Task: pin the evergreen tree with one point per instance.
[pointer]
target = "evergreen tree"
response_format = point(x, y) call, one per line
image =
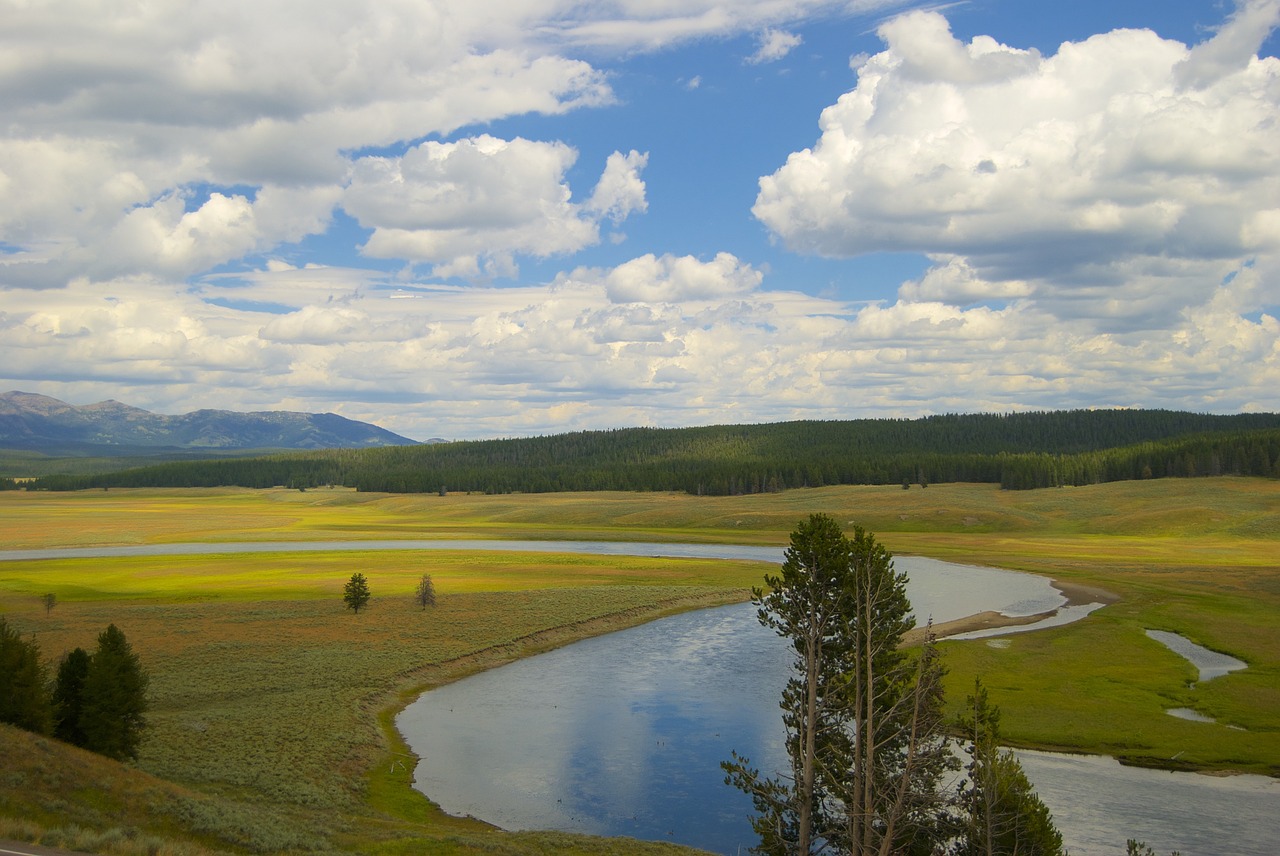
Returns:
point(806, 605)
point(897, 751)
point(24, 696)
point(1003, 815)
point(68, 697)
point(114, 698)
point(864, 719)
point(425, 595)
point(355, 594)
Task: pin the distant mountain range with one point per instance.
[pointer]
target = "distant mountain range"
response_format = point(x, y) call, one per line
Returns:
point(43, 424)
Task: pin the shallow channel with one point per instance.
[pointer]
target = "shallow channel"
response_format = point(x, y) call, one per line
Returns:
point(1211, 664)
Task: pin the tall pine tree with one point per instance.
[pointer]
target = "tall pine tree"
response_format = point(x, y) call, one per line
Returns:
point(24, 700)
point(68, 697)
point(864, 719)
point(896, 747)
point(114, 698)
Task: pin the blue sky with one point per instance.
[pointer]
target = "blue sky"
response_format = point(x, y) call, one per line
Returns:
point(468, 219)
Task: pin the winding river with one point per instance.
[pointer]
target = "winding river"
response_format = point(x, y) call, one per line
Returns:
point(623, 734)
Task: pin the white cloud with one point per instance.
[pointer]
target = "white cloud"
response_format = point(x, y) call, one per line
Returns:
point(108, 112)
point(652, 24)
point(1234, 44)
point(1121, 178)
point(773, 45)
point(657, 340)
point(1102, 222)
point(953, 281)
point(122, 115)
point(620, 190)
point(470, 206)
point(670, 279)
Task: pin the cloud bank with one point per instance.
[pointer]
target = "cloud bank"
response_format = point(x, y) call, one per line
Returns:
point(1102, 222)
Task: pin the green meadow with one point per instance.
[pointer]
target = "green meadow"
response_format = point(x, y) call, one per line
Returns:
point(270, 727)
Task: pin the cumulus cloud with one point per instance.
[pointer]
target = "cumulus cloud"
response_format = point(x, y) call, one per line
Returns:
point(1235, 43)
point(672, 279)
point(472, 205)
point(106, 114)
point(128, 114)
point(773, 45)
point(1102, 221)
point(1121, 178)
point(620, 191)
point(952, 280)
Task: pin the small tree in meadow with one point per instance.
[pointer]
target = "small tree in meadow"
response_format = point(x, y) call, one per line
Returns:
point(355, 594)
point(426, 593)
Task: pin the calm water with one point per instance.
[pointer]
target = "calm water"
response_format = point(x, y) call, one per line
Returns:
point(1210, 663)
point(624, 734)
point(617, 735)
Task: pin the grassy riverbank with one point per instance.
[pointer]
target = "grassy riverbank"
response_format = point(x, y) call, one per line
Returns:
point(272, 706)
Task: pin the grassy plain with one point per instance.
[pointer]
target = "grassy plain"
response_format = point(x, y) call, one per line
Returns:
point(273, 707)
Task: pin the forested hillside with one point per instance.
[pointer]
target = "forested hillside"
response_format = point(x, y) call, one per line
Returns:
point(1019, 451)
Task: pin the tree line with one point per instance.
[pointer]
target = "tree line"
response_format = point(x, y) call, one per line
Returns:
point(1017, 451)
point(97, 701)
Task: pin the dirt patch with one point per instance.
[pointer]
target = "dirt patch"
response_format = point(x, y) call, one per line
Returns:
point(981, 621)
point(1077, 594)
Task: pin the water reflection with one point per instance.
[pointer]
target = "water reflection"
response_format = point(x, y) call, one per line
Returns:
point(623, 735)
point(1189, 715)
point(1099, 804)
point(619, 735)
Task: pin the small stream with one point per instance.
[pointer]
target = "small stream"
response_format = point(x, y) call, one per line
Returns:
point(1211, 664)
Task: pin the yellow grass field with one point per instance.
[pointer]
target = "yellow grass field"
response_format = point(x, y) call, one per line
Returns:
point(272, 704)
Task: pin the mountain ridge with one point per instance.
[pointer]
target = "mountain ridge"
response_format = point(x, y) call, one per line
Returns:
point(35, 422)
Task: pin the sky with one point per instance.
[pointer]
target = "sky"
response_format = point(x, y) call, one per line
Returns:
point(467, 219)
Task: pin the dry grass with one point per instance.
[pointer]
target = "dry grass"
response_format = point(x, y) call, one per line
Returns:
point(266, 692)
